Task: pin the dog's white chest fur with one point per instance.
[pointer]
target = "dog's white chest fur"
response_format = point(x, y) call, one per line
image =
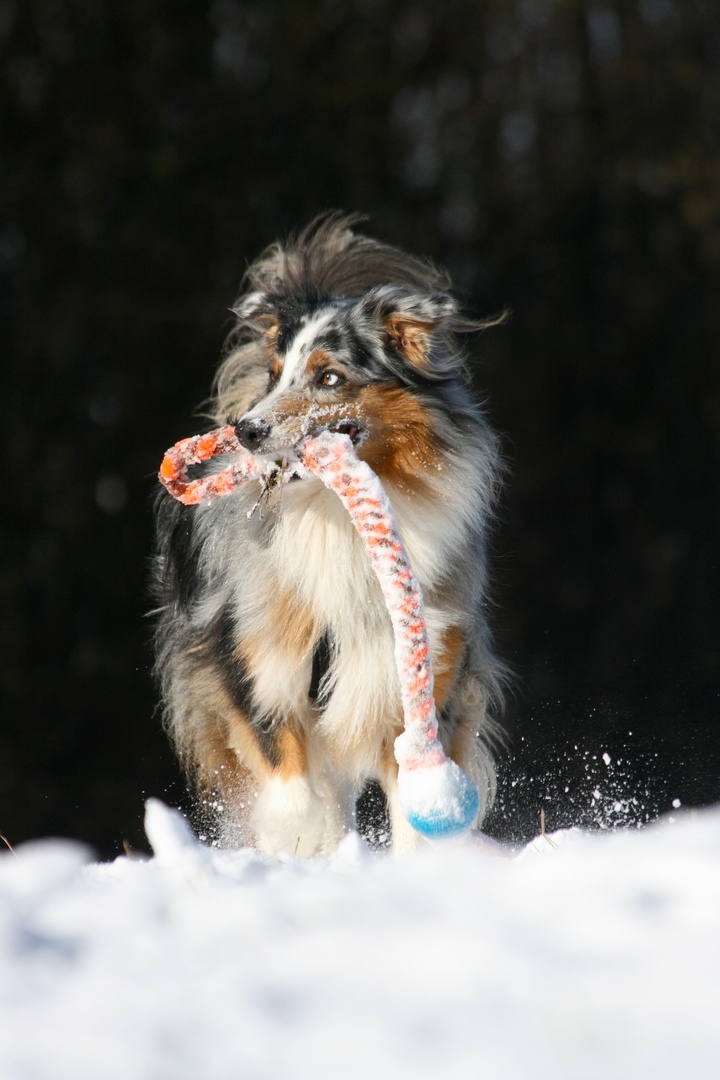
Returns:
point(316, 558)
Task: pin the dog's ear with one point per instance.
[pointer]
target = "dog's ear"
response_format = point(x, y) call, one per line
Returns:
point(408, 321)
point(256, 311)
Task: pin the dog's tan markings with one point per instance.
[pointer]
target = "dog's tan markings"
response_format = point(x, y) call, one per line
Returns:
point(244, 741)
point(464, 746)
point(292, 753)
point(269, 343)
point(218, 764)
point(401, 444)
point(412, 336)
point(291, 626)
point(318, 360)
point(276, 366)
point(446, 662)
point(220, 740)
point(271, 332)
point(227, 746)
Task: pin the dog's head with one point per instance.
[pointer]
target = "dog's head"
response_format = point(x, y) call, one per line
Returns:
point(339, 331)
point(355, 366)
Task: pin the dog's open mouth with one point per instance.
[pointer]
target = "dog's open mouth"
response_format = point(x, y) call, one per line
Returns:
point(347, 427)
point(343, 427)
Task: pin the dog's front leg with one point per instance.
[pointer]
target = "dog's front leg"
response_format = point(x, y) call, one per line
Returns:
point(300, 809)
point(288, 816)
point(405, 839)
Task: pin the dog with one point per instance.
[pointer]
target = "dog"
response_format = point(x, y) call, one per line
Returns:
point(274, 648)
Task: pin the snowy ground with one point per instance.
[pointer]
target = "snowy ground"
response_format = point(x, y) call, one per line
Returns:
point(584, 957)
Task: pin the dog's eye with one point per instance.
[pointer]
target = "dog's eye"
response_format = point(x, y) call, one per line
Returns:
point(331, 378)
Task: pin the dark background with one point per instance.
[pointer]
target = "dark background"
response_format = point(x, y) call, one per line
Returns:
point(561, 158)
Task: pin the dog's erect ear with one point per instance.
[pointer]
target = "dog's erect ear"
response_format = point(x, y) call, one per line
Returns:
point(256, 311)
point(409, 319)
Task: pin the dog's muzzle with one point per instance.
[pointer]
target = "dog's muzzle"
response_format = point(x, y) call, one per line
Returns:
point(252, 431)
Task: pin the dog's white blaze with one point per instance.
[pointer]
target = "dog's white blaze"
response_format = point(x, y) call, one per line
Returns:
point(301, 348)
point(294, 362)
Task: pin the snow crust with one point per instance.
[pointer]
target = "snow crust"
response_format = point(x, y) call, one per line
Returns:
point(581, 957)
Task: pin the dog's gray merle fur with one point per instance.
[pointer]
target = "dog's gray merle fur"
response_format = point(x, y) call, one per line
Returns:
point(274, 649)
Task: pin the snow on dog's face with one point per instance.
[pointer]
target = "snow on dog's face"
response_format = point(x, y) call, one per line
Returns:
point(368, 368)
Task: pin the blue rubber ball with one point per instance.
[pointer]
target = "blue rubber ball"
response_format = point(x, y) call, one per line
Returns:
point(466, 806)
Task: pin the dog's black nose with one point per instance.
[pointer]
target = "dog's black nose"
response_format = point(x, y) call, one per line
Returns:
point(252, 432)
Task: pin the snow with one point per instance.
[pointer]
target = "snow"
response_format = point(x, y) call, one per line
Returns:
point(584, 956)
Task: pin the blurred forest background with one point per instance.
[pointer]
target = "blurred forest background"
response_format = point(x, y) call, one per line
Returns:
point(561, 158)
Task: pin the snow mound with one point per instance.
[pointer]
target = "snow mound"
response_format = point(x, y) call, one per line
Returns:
point(586, 956)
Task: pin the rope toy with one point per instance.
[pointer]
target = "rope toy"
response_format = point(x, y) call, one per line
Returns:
point(437, 798)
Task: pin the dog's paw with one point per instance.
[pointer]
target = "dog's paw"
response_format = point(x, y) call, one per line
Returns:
point(290, 816)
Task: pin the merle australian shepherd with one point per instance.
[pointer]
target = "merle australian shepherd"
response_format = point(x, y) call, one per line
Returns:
point(275, 650)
